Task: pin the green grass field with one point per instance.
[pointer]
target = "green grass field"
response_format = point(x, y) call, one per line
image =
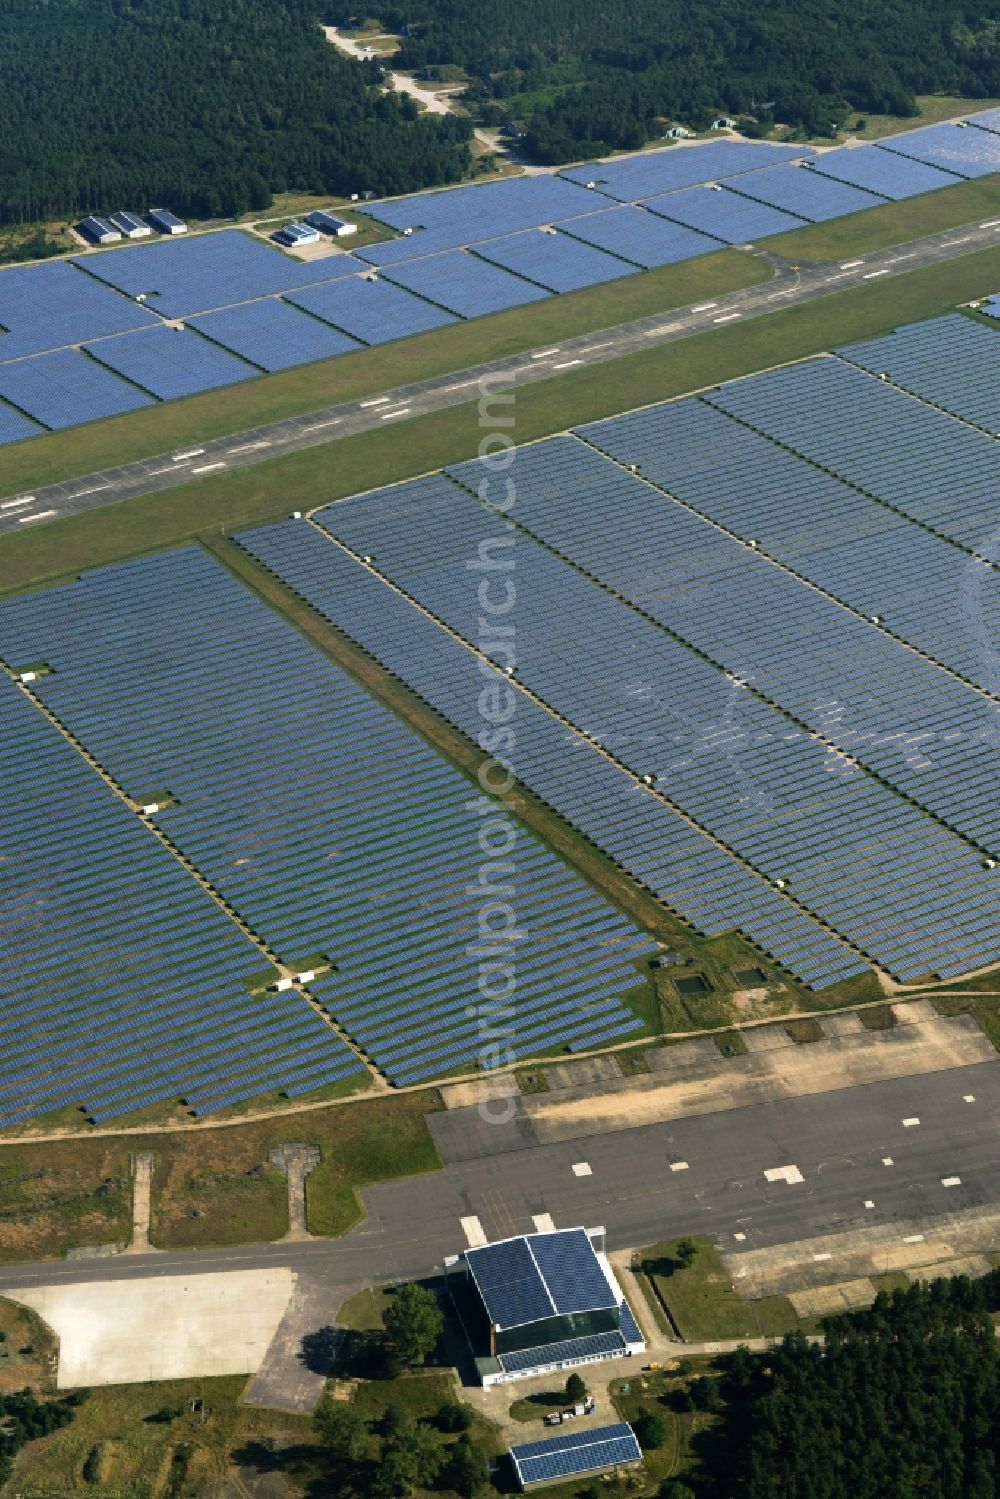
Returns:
point(702, 1302)
point(270, 490)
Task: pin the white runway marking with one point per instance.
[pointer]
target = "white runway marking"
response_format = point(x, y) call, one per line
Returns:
point(911, 1123)
point(887, 1160)
point(207, 468)
point(951, 1181)
point(968, 1098)
point(191, 453)
point(543, 1223)
point(544, 353)
point(582, 1168)
point(24, 520)
point(869, 1203)
point(850, 265)
point(789, 1174)
point(474, 1232)
point(378, 401)
point(679, 1166)
point(913, 1238)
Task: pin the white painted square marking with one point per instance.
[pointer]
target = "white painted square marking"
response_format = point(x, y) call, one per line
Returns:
point(543, 1223)
point(789, 1174)
point(582, 1168)
point(951, 1181)
point(913, 1238)
point(818, 1257)
point(679, 1166)
point(887, 1160)
point(869, 1203)
point(739, 1238)
point(909, 1123)
point(474, 1232)
point(968, 1098)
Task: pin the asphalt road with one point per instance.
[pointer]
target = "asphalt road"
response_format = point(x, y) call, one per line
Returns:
point(787, 287)
point(838, 1141)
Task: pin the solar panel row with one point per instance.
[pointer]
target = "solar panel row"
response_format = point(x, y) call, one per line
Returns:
point(724, 215)
point(639, 236)
point(333, 831)
point(805, 193)
point(629, 178)
point(65, 388)
point(637, 829)
point(170, 362)
point(953, 148)
point(554, 261)
point(882, 172)
point(464, 284)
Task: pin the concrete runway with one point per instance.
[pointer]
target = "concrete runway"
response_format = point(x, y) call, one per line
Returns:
point(787, 287)
point(838, 1141)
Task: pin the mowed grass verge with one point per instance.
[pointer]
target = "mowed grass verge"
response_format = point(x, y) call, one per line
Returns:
point(701, 1300)
point(269, 398)
point(270, 490)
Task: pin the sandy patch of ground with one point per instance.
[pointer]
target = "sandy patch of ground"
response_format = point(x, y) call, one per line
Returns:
point(167, 1327)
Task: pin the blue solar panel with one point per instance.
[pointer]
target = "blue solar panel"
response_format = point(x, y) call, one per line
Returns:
point(594, 1345)
point(802, 191)
point(572, 1271)
point(464, 284)
point(582, 1452)
point(14, 426)
point(953, 148)
point(50, 306)
point(986, 119)
point(639, 236)
point(725, 215)
point(171, 362)
point(992, 307)
point(552, 260)
point(181, 276)
point(629, 178)
point(272, 335)
point(510, 1283)
point(65, 388)
point(371, 311)
point(463, 215)
point(881, 171)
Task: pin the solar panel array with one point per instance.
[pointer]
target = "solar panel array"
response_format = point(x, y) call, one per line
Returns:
point(563, 1456)
point(986, 119)
point(464, 284)
point(182, 276)
point(592, 1346)
point(629, 178)
point(463, 215)
point(122, 982)
point(541, 1275)
point(724, 215)
point(922, 462)
point(51, 306)
point(639, 236)
point(868, 556)
point(882, 172)
point(272, 335)
point(992, 307)
point(803, 192)
point(953, 148)
point(373, 312)
point(809, 816)
point(553, 260)
point(622, 816)
point(64, 388)
point(170, 362)
point(327, 824)
point(953, 362)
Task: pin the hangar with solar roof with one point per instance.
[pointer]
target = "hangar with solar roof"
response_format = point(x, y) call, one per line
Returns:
point(540, 1303)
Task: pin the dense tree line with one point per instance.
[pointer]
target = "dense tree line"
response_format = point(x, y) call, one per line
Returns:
point(587, 76)
point(207, 107)
point(902, 1401)
point(23, 1417)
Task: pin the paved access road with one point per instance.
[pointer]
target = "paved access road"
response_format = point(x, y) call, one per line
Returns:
point(787, 287)
point(839, 1142)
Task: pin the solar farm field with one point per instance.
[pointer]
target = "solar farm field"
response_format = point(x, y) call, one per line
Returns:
point(753, 660)
point(271, 884)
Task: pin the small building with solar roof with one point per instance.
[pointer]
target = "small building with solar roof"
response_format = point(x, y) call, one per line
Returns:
point(574, 1453)
point(540, 1303)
